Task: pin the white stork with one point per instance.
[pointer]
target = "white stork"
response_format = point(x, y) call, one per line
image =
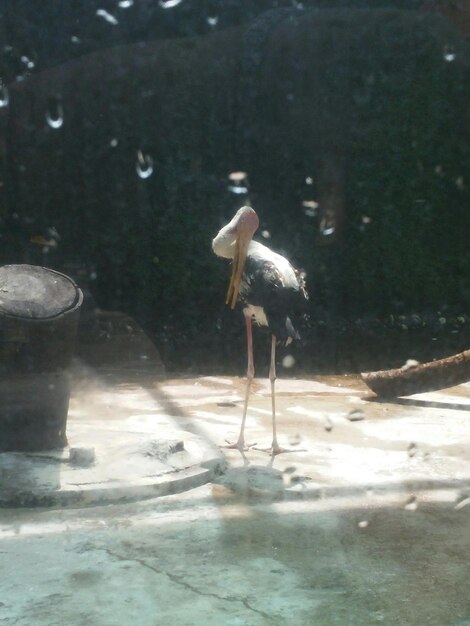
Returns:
point(269, 291)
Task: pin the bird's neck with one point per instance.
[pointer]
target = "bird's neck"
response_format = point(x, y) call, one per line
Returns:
point(224, 246)
point(224, 243)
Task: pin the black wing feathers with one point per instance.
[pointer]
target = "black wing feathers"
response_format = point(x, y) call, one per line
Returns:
point(281, 302)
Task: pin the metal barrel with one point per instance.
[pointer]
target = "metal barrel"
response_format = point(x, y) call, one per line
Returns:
point(39, 313)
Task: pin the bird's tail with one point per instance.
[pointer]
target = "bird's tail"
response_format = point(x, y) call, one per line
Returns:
point(291, 332)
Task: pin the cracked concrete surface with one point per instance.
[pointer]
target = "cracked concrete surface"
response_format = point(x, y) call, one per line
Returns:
point(366, 522)
point(214, 557)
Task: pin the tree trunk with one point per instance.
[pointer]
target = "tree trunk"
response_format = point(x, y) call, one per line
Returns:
point(408, 380)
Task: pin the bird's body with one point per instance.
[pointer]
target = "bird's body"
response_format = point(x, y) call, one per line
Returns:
point(271, 291)
point(268, 289)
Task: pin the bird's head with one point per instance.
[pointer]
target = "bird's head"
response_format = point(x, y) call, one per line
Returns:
point(243, 226)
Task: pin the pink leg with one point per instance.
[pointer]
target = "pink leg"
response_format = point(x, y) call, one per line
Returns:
point(276, 449)
point(250, 374)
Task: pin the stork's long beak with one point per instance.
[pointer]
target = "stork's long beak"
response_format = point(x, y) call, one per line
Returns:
point(241, 249)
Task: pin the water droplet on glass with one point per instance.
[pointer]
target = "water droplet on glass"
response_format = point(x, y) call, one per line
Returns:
point(462, 503)
point(238, 182)
point(27, 61)
point(213, 21)
point(55, 113)
point(288, 361)
point(125, 4)
point(237, 177)
point(266, 234)
point(108, 17)
point(169, 4)
point(449, 53)
point(53, 232)
point(310, 207)
point(459, 183)
point(311, 204)
point(144, 165)
point(4, 95)
point(114, 142)
point(328, 231)
point(411, 504)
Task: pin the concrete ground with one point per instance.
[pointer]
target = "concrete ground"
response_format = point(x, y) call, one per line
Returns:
point(365, 521)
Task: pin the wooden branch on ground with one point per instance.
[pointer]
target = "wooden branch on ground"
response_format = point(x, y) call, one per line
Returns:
point(420, 378)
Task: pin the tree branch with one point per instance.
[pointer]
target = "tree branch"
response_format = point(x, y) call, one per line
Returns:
point(407, 380)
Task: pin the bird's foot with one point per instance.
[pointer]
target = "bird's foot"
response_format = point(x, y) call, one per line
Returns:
point(238, 445)
point(276, 449)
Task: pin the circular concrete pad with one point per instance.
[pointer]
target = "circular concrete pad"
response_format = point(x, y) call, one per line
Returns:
point(107, 462)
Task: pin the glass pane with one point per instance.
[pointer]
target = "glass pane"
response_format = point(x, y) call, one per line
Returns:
point(234, 312)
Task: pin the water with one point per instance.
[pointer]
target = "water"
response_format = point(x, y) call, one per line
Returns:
point(29, 63)
point(310, 207)
point(55, 113)
point(449, 54)
point(108, 17)
point(169, 4)
point(328, 231)
point(238, 189)
point(4, 95)
point(238, 183)
point(144, 165)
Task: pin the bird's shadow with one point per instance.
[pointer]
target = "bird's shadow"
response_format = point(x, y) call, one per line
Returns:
point(260, 480)
point(253, 480)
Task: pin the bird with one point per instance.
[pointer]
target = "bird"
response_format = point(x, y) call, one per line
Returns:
point(268, 289)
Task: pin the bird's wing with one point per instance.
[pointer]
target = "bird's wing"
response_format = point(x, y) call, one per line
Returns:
point(272, 275)
point(260, 279)
point(280, 294)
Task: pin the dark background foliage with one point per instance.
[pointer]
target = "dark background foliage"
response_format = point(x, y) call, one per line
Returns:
point(360, 106)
